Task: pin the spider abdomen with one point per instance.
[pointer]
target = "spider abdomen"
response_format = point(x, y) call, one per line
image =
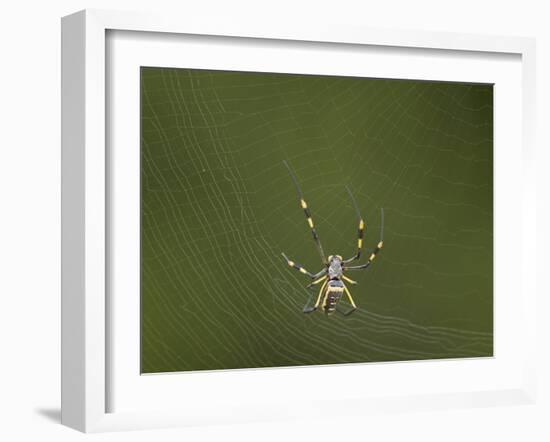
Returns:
point(335, 289)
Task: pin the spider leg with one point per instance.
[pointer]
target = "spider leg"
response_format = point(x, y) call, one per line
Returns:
point(312, 309)
point(317, 281)
point(308, 214)
point(349, 296)
point(360, 231)
point(302, 270)
point(298, 267)
point(351, 281)
point(351, 310)
point(325, 298)
point(371, 258)
point(346, 312)
point(375, 251)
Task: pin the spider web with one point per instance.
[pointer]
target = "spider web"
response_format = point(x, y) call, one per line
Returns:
point(218, 208)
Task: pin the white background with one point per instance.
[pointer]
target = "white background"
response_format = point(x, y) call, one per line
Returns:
point(30, 218)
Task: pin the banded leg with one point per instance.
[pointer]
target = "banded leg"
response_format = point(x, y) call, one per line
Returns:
point(303, 204)
point(371, 258)
point(360, 231)
point(302, 270)
point(322, 289)
point(375, 251)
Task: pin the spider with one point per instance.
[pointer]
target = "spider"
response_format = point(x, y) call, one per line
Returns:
point(332, 275)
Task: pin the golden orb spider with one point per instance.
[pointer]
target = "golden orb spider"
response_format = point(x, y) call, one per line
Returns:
point(332, 275)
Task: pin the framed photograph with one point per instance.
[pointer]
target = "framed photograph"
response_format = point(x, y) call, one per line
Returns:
point(260, 222)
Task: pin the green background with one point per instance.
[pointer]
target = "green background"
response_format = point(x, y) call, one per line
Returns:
point(218, 207)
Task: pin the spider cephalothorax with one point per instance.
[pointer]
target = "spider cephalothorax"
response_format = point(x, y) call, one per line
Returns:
point(334, 266)
point(332, 275)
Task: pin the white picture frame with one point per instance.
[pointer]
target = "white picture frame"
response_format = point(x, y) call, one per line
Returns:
point(85, 203)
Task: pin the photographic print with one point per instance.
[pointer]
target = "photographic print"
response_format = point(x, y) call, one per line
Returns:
point(294, 220)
